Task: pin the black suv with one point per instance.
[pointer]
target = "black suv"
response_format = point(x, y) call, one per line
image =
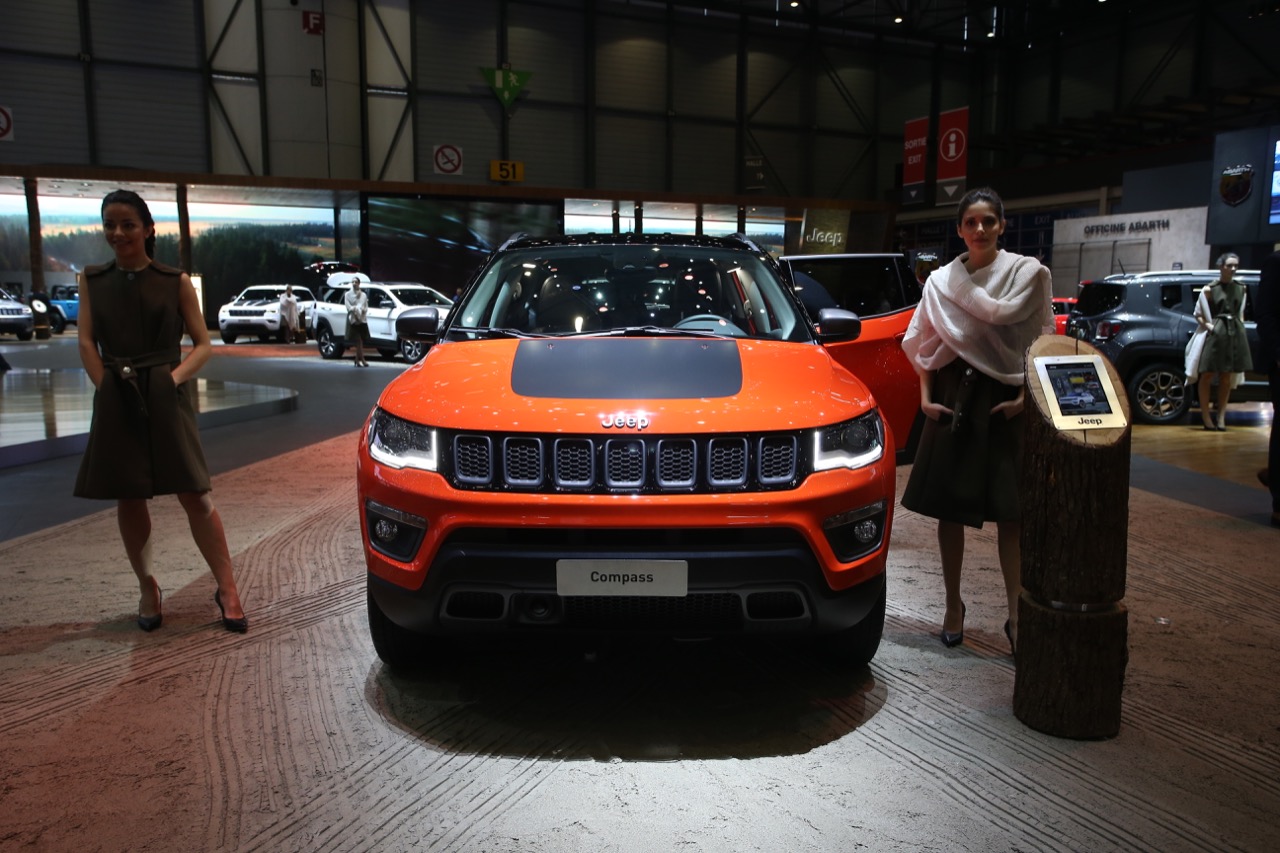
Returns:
point(1142, 322)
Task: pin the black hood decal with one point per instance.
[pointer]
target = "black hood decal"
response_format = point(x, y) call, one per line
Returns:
point(617, 369)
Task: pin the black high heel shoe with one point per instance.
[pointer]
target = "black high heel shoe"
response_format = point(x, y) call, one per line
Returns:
point(237, 626)
point(150, 623)
point(951, 639)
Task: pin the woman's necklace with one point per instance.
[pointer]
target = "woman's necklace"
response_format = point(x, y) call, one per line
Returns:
point(130, 272)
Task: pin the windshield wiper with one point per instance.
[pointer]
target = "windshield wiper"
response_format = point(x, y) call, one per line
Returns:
point(644, 332)
point(488, 332)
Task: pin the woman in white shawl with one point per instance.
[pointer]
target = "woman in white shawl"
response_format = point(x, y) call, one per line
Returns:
point(967, 341)
point(289, 313)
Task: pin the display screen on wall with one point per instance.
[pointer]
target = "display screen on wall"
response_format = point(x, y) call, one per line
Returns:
point(1275, 186)
point(440, 242)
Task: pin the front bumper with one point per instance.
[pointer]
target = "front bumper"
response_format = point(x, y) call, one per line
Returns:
point(19, 324)
point(249, 325)
point(757, 561)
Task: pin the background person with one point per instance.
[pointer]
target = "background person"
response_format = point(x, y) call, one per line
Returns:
point(967, 341)
point(357, 303)
point(143, 439)
point(289, 313)
point(1267, 315)
point(1226, 348)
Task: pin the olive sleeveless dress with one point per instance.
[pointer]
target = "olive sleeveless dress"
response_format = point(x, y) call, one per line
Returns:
point(143, 440)
point(1226, 349)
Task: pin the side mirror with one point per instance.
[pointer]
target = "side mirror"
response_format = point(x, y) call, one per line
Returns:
point(419, 324)
point(837, 324)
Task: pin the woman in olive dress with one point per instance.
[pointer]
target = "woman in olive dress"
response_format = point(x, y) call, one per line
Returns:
point(143, 440)
point(1226, 348)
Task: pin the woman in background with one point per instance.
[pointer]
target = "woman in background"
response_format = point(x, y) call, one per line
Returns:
point(1220, 309)
point(143, 440)
point(968, 340)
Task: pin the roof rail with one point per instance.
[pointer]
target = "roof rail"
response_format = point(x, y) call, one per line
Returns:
point(750, 244)
point(519, 235)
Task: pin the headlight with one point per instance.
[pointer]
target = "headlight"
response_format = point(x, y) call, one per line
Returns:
point(852, 444)
point(401, 444)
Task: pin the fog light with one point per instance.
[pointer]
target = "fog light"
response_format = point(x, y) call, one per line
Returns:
point(856, 533)
point(385, 530)
point(392, 532)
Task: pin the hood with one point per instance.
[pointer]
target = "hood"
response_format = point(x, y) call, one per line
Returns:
point(678, 385)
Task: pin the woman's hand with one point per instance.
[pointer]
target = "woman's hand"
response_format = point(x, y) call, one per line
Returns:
point(935, 411)
point(1012, 408)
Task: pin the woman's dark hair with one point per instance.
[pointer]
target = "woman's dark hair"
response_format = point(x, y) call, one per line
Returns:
point(135, 201)
point(975, 196)
point(1224, 257)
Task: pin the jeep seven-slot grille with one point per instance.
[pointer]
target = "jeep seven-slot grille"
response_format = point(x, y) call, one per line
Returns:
point(641, 464)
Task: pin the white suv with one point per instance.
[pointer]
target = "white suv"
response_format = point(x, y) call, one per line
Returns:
point(15, 318)
point(387, 301)
point(256, 311)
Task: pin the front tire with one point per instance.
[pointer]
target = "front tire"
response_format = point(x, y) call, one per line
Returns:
point(229, 337)
point(1158, 394)
point(413, 351)
point(27, 335)
point(329, 345)
point(57, 323)
point(856, 646)
point(397, 647)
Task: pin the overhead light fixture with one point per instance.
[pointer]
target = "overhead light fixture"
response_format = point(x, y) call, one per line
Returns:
point(897, 19)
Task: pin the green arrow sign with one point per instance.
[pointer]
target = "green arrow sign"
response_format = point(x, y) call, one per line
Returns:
point(506, 83)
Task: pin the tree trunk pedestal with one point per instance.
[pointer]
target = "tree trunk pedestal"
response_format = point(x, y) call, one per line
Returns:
point(1072, 625)
point(1070, 669)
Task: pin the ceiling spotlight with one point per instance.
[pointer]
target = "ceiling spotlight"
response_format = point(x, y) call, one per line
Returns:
point(897, 19)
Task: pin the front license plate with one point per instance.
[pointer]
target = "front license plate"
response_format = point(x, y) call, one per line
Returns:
point(622, 577)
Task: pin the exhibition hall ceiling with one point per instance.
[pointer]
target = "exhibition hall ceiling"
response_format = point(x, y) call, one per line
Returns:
point(1074, 40)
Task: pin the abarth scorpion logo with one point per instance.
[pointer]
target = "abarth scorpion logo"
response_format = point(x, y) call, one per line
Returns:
point(623, 420)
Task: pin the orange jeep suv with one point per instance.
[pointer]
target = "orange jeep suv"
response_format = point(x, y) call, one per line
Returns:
point(630, 433)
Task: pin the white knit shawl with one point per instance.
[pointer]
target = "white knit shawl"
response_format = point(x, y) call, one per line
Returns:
point(988, 318)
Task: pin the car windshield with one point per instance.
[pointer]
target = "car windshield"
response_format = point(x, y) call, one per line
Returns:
point(419, 296)
point(629, 289)
point(259, 294)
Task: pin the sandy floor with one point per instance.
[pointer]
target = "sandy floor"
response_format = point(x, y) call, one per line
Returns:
point(294, 737)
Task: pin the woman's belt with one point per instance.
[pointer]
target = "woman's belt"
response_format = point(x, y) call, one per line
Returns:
point(128, 369)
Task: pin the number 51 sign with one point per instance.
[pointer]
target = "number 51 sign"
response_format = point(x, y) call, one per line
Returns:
point(506, 170)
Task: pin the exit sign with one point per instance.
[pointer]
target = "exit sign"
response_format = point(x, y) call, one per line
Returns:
point(506, 170)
